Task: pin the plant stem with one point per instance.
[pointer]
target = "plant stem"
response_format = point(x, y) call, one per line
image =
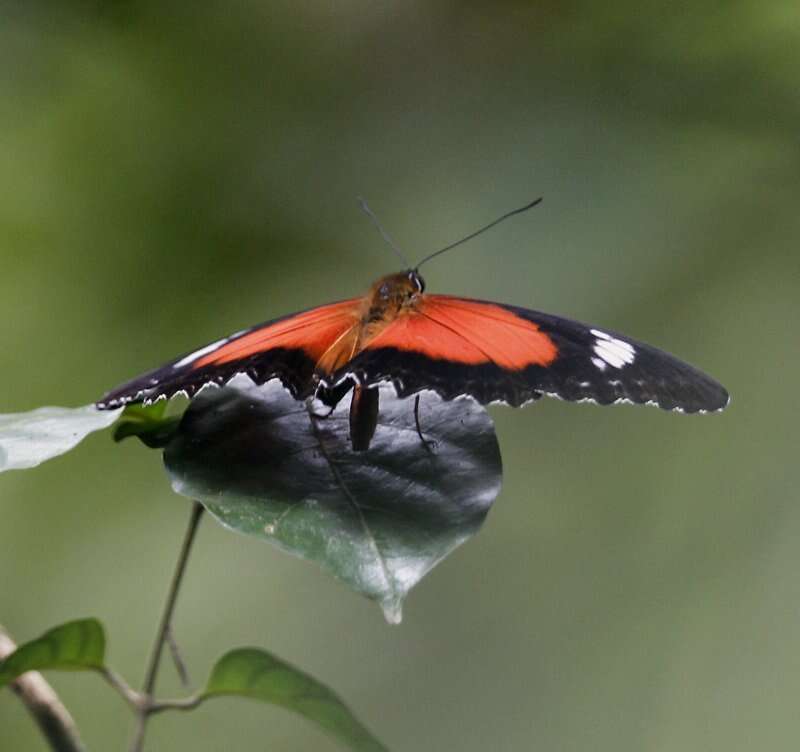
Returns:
point(184, 703)
point(163, 628)
point(130, 695)
point(46, 709)
point(177, 658)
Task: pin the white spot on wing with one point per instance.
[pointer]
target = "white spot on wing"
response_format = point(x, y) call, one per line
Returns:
point(191, 357)
point(612, 351)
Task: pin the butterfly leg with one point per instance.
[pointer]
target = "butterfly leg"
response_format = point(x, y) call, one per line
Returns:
point(331, 398)
point(429, 445)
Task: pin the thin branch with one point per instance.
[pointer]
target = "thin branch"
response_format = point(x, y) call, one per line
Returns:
point(148, 687)
point(177, 658)
point(186, 703)
point(47, 710)
point(172, 596)
point(129, 694)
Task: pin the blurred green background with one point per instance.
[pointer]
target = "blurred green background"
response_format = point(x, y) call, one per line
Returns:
point(170, 173)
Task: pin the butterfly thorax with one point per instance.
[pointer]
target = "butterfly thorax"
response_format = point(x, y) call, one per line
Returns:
point(391, 296)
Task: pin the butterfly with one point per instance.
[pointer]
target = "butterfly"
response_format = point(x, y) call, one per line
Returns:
point(398, 333)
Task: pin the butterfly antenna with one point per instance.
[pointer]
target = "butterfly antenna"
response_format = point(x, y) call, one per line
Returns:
point(385, 235)
point(482, 230)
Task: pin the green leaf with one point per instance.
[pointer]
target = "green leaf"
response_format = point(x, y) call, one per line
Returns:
point(378, 520)
point(254, 673)
point(76, 645)
point(28, 439)
point(149, 423)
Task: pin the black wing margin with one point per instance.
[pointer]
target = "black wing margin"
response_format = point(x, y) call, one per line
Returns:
point(599, 365)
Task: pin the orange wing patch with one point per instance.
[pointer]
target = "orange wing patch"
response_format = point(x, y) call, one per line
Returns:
point(315, 332)
point(467, 331)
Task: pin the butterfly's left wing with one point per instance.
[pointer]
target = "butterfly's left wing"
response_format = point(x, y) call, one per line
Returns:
point(501, 353)
point(291, 348)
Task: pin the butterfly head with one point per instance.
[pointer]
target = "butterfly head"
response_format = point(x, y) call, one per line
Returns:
point(398, 289)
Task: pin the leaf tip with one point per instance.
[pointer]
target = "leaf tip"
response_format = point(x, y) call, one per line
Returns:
point(392, 610)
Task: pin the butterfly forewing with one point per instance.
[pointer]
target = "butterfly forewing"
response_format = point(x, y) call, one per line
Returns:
point(286, 348)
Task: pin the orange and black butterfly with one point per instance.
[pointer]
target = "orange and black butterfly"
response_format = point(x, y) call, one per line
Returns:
point(400, 334)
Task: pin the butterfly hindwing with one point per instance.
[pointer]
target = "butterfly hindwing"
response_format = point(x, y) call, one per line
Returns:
point(503, 353)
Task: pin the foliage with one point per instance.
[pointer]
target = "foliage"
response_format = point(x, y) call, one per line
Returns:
point(28, 439)
point(245, 672)
point(267, 465)
point(76, 645)
point(379, 520)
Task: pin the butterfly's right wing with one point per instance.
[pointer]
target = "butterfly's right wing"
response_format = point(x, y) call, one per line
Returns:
point(502, 353)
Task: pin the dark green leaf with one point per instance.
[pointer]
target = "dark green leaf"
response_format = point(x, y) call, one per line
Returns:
point(379, 520)
point(28, 439)
point(76, 645)
point(149, 423)
point(249, 672)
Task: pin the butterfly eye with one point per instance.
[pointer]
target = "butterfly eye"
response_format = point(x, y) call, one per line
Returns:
point(418, 282)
